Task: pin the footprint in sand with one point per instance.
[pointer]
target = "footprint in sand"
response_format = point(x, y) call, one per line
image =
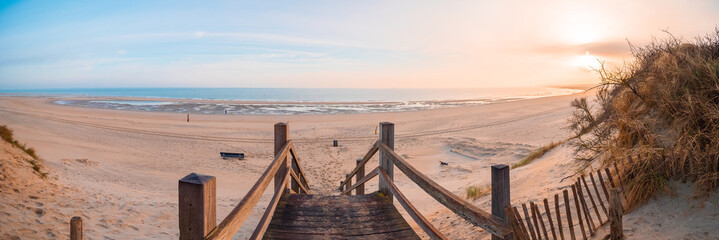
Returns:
point(39, 212)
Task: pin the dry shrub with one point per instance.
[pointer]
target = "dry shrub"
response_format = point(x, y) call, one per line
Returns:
point(663, 109)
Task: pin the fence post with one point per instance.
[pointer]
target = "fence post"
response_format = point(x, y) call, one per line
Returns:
point(348, 185)
point(76, 228)
point(196, 205)
point(281, 136)
point(360, 175)
point(386, 136)
point(615, 214)
point(500, 193)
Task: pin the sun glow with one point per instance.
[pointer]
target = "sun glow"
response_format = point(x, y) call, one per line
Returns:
point(579, 24)
point(588, 61)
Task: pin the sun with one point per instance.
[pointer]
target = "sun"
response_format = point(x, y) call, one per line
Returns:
point(587, 61)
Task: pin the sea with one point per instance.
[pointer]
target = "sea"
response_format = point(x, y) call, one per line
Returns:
point(283, 101)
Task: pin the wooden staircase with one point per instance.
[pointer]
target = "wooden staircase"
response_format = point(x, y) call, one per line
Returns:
point(307, 216)
point(294, 213)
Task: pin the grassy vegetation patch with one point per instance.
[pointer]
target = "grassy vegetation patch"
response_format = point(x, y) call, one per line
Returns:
point(474, 192)
point(7, 135)
point(538, 153)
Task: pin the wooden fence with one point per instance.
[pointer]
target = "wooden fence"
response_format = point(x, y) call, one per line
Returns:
point(578, 212)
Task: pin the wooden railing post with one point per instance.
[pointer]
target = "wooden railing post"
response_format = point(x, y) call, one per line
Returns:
point(360, 175)
point(386, 136)
point(500, 193)
point(196, 205)
point(348, 185)
point(615, 214)
point(76, 228)
point(281, 136)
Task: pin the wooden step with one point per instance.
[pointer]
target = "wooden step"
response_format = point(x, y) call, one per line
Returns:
point(370, 216)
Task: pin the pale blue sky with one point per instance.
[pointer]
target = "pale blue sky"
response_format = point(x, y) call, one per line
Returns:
point(369, 44)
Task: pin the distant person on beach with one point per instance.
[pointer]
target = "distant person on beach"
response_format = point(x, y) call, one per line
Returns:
point(225, 111)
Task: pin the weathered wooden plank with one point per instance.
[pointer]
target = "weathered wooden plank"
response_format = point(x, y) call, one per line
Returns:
point(317, 214)
point(360, 175)
point(300, 186)
point(321, 204)
point(229, 226)
point(348, 184)
point(500, 193)
point(76, 228)
point(399, 234)
point(281, 137)
point(362, 181)
point(610, 179)
point(519, 221)
point(196, 205)
point(615, 215)
point(312, 206)
point(462, 208)
point(559, 217)
point(365, 159)
point(270, 210)
point(541, 220)
point(527, 218)
point(579, 211)
point(297, 163)
point(332, 212)
point(423, 223)
point(334, 206)
point(549, 216)
point(534, 220)
point(570, 225)
point(603, 185)
point(582, 202)
point(386, 138)
point(619, 176)
point(599, 196)
point(591, 198)
point(287, 218)
point(370, 227)
point(311, 200)
point(515, 224)
point(364, 230)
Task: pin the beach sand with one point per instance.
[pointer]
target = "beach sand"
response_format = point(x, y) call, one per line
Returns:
point(119, 169)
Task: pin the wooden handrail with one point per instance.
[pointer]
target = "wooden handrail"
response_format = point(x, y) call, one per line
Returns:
point(302, 175)
point(270, 211)
point(366, 178)
point(229, 226)
point(297, 179)
point(364, 161)
point(464, 209)
point(423, 223)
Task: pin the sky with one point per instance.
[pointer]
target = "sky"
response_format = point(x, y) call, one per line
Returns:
point(329, 44)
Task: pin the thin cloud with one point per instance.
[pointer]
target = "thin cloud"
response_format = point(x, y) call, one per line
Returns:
point(605, 49)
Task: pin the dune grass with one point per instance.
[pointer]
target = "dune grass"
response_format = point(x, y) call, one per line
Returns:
point(661, 109)
point(538, 153)
point(474, 192)
point(7, 135)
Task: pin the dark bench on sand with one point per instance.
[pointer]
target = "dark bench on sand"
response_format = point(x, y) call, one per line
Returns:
point(232, 155)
